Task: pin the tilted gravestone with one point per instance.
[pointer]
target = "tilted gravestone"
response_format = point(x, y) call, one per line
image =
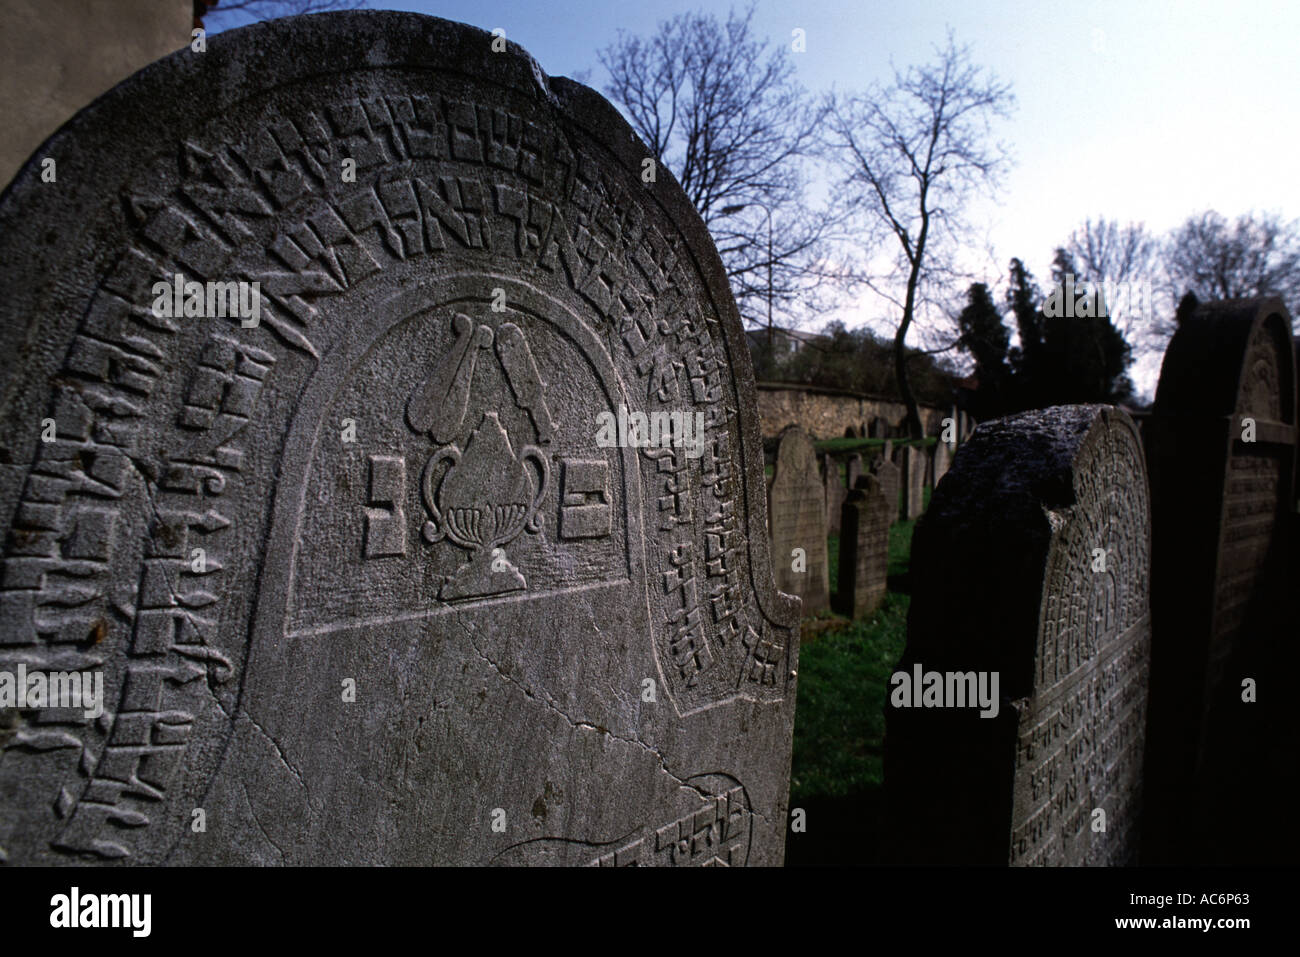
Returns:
point(1221, 446)
point(407, 563)
point(864, 548)
point(886, 472)
point(1017, 735)
point(835, 493)
point(797, 506)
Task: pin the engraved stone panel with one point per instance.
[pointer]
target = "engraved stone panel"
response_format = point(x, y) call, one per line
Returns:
point(1031, 564)
point(1221, 446)
point(864, 548)
point(797, 505)
point(361, 576)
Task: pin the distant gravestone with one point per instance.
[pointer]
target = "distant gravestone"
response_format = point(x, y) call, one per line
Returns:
point(853, 470)
point(450, 550)
point(864, 548)
point(835, 492)
point(1221, 445)
point(886, 472)
point(798, 515)
point(1030, 567)
point(940, 462)
point(913, 478)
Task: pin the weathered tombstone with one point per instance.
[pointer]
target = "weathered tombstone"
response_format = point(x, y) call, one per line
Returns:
point(797, 505)
point(886, 472)
point(850, 432)
point(835, 493)
point(1220, 445)
point(879, 428)
point(864, 548)
point(1041, 537)
point(913, 478)
point(362, 580)
point(940, 462)
point(853, 469)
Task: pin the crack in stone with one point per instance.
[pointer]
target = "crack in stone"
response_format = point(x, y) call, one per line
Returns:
point(252, 810)
point(663, 765)
point(280, 755)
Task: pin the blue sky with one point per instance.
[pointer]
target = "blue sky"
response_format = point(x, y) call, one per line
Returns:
point(1143, 110)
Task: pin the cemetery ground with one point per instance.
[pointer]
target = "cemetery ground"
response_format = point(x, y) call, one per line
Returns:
point(837, 773)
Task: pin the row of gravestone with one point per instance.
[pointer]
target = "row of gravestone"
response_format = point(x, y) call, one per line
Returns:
point(806, 503)
point(1084, 649)
point(380, 567)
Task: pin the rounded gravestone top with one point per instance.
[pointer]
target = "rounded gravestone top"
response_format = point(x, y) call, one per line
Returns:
point(316, 344)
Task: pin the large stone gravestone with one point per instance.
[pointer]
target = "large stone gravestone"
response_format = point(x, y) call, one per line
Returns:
point(797, 507)
point(835, 493)
point(864, 548)
point(1221, 445)
point(886, 472)
point(390, 574)
point(1030, 567)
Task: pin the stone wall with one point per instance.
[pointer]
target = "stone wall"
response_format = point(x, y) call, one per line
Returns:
point(826, 413)
point(61, 54)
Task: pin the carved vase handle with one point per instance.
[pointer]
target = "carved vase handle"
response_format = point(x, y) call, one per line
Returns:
point(435, 530)
point(532, 520)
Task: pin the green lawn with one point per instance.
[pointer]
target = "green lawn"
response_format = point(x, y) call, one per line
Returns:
point(844, 671)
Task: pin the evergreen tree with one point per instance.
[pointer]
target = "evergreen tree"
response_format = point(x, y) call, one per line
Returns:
point(986, 338)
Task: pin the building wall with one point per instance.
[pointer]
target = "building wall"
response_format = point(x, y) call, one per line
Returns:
point(56, 56)
point(825, 414)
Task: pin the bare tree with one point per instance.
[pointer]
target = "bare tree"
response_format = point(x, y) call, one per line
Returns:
point(230, 13)
point(911, 155)
point(1258, 254)
point(1105, 250)
point(722, 111)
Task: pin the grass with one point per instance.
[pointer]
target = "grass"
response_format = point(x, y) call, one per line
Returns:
point(844, 671)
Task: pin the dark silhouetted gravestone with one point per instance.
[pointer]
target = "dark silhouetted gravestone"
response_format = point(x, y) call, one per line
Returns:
point(1031, 564)
point(1221, 445)
point(368, 580)
point(797, 504)
point(886, 472)
point(835, 493)
point(864, 548)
